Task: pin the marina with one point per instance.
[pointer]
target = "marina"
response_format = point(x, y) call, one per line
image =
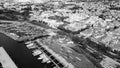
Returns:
point(20, 54)
point(59, 34)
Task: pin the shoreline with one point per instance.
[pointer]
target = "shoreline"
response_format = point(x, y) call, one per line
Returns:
point(6, 60)
point(9, 35)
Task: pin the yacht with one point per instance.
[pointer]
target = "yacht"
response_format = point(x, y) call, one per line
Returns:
point(31, 46)
point(42, 56)
point(37, 52)
point(45, 59)
point(28, 42)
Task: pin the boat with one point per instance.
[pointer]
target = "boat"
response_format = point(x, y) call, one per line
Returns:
point(42, 56)
point(28, 42)
point(36, 52)
point(31, 46)
point(45, 59)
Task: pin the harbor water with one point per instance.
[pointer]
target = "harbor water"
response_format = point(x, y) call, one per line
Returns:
point(20, 54)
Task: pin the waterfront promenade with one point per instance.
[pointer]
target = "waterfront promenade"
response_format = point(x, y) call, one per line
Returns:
point(5, 59)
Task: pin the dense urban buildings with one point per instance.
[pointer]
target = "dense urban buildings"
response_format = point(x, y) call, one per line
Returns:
point(61, 33)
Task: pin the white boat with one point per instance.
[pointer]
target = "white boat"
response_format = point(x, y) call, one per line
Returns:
point(42, 56)
point(48, 61)
point(45, 60)
point(37, 52)
point(28, 42)
point(31, 45)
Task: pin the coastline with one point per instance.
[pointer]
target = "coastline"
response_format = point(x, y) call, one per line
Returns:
point(9, 35)
point(6, 60)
